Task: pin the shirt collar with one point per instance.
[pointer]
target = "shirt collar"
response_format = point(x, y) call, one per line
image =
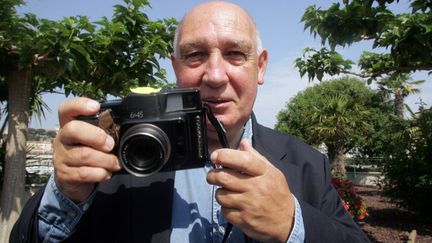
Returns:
point(247, 131)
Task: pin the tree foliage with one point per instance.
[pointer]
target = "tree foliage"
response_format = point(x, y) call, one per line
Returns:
point(83, 58)
point(405, 37)
point(401, 44)
point(93, 59)
point(408, 162)
point(342, 113)
point(400, 85)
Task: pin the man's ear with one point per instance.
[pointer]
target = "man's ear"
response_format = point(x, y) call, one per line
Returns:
point(174, 65)
point(262, 65)
point(173, 59)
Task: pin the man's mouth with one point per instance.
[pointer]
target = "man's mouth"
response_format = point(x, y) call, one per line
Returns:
point(217, 105)
point(215, 101)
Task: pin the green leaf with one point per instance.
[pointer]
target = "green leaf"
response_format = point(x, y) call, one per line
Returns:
point(80, 49)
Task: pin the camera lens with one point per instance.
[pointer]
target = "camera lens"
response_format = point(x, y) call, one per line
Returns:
point(144, 149)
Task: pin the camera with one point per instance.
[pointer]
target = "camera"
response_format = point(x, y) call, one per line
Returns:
point(161, 131)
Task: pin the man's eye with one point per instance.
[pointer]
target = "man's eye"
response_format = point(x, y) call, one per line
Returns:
point(194, 56)
point(236, 56)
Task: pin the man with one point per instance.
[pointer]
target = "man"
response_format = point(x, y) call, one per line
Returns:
point(270, 186)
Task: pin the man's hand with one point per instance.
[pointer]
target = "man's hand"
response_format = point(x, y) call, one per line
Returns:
point(254, 194)
point(81, 151)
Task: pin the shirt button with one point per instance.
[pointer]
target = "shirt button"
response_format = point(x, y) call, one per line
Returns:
point(221, 229)
point(86, 206)
point(71, 214)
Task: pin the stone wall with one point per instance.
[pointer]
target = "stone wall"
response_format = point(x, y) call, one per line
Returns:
point(365, 178)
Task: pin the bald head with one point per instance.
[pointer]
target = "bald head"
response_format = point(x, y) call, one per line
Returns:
point(217, 51)
point(221, 13)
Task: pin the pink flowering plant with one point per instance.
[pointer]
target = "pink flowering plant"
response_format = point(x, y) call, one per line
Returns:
point(351, 201)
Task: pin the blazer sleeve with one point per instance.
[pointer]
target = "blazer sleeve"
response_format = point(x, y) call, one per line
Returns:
point(329, 222)
point(308, 175)
point(26, 227)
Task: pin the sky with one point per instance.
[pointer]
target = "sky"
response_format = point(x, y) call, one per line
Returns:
point(281, 29)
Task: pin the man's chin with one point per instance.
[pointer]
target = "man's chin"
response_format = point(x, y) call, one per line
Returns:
point(212, 134)
point(212, 138)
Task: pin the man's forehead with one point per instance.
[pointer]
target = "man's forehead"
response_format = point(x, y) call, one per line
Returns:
point(219, 25)
point(229, 29)
point(210, 9)
point(222, 21)
point(227, 43)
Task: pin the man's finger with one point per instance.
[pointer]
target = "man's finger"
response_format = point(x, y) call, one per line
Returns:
point(89, 135)
point(71, 109)
point(233, 216)
point(86, 156)
point(229, 199)
point(229, 179)
point(83, 174)
point(246, 160)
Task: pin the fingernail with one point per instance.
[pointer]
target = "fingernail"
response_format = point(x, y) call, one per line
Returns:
point(118, 166)
point(92, 105)
point(213, 156)
point(109, 143)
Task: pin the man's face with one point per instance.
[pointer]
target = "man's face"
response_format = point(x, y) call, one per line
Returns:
point(217, 53)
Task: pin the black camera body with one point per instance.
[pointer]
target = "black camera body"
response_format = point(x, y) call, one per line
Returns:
point(156, 132)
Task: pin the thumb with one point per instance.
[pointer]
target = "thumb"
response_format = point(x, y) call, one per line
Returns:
point(247, 147)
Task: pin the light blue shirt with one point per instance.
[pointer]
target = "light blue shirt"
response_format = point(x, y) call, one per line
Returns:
point(196, 215)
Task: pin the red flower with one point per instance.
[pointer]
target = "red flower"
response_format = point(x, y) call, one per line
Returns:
point(345, 205)
point(350, 200)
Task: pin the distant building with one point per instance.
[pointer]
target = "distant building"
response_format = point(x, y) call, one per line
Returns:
point(39, 151)
point(39, 157)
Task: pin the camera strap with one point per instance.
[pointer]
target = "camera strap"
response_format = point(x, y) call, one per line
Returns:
point(218, 125)
point(221, 132)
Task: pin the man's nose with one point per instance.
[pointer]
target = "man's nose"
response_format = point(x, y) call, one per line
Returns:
point(215, 74)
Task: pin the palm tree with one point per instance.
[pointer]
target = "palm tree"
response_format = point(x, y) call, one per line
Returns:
point(340, 113)
point(337, 118)
point(400, 85)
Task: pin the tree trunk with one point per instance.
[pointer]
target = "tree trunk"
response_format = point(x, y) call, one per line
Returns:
point(336, 156)
point(399, 104)
point(13, 195)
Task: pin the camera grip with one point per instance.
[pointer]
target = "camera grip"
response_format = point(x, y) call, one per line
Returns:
point(105, 121)
point(94, 120)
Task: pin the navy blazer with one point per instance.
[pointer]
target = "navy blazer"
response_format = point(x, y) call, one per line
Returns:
point(133, 209)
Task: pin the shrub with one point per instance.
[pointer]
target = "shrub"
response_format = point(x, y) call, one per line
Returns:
point(408, 163)
point(352, 202)
point(2, 162)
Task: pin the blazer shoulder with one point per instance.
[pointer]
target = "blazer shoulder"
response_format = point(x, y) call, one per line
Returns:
point(271, 139)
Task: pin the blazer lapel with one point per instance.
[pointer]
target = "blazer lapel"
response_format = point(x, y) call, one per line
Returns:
point(274, 147)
